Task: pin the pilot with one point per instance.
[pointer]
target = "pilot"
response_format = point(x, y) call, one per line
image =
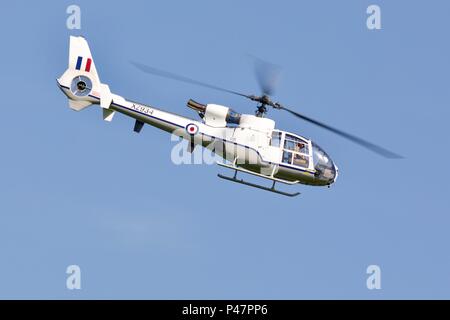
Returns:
point(299, 147)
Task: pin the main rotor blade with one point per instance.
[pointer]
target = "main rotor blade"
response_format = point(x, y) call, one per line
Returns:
point(267, 75)
point(373, 147)
point(173, 76)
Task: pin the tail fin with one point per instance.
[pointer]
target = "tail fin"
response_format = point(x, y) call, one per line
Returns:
point(80, 57)
point(81, 83)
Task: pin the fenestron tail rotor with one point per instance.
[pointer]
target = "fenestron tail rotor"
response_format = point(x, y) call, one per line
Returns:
point(267, 75)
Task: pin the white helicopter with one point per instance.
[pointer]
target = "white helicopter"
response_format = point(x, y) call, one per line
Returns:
point(250, 143)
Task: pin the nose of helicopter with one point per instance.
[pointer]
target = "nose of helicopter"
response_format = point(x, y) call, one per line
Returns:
point(330, 176)
point(326, 170)
point(336, 172)
point(327, 176)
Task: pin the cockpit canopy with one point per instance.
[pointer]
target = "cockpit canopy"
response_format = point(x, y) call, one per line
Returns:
point(324, 166)
point(300, 152)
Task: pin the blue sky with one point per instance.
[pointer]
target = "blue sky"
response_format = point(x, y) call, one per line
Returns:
point(77, 190)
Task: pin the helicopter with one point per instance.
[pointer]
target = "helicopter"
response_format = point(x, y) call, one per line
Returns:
point(249, 143)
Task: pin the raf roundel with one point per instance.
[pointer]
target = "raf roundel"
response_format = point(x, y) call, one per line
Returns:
point(192, 129)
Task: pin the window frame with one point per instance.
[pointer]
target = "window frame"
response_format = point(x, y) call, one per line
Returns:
point(280, 133)
point(308, 155)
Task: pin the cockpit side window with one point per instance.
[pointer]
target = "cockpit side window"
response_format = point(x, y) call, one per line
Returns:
point(296, 151)
point(300, 160)
point(287, 157)
point(295, 144)
point(276, 139)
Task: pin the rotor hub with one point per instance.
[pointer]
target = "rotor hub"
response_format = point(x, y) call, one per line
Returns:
point(81, 85)
point(261, 111)
point(265, 99)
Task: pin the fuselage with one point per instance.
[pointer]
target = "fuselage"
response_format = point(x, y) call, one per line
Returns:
point(254, 144)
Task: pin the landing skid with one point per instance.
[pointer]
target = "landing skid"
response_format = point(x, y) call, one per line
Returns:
point(233, 179)
point(241, 181)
